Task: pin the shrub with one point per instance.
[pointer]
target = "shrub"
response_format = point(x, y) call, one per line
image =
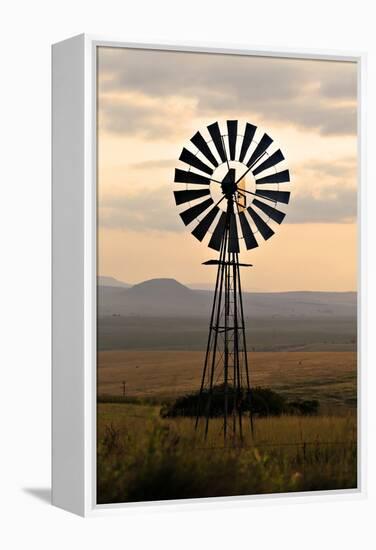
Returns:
point(305, 408)
point(261, 401)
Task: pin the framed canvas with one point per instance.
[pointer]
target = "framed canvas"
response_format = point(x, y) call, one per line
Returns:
point(207, 275)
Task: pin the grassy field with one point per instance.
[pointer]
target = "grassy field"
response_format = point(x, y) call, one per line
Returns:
point(329, 377)
point(143, 457)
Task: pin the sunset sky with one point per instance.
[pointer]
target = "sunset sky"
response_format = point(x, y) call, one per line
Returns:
point(149, 105)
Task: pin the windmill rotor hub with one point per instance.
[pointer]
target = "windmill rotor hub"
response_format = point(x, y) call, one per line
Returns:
point(228, 185)
point(229, 188)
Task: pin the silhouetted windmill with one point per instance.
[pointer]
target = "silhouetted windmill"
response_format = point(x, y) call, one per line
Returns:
point(232, 187)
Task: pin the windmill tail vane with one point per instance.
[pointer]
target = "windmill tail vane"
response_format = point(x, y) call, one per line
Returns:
point(232, 186)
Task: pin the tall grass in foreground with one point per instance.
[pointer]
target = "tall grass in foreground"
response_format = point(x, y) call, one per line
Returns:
point(143, 457)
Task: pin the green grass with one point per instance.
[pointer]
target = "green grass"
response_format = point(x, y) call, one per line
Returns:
point(142, 457)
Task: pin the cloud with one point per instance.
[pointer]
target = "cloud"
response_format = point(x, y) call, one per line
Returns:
point(148, 117)
point(144, 119)
point(153, 164)
point(330, 195)
point(151, 209)
point(343, 88)
point(155, 209)
point(318, 95)
point(341, 169)
point(333, 205)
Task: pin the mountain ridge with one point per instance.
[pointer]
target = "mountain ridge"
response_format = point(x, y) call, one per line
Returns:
point(106, 280)
point(168, 297)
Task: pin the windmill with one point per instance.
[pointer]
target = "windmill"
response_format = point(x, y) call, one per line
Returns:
point(232, 198)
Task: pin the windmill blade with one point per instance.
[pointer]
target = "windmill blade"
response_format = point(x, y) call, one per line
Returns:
point(182, 176)
point(191, 159)
point(216, 239)
point(217, 140)
point(247, 140)
point(262, 146)
point(203, 227)
point(189, 195)
point(264, 229)
point(274, 159)
point(272, 212)
point(233, 242)
point(277, 196)
point(232, 130)
point(204, 148)
point(249, 238)
point(278, 177)
point(189, 215)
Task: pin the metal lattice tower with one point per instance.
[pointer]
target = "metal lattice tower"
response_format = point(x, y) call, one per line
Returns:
point(226, 362)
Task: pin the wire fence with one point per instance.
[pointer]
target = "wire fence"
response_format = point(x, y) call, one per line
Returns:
point(299, 445)
point(258, 444)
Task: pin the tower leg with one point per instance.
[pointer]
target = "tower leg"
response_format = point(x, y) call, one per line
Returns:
point(208, 347)
point(215, 329)
point(247, 376)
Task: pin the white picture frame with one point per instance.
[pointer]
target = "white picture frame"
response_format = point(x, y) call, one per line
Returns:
point(74, 204)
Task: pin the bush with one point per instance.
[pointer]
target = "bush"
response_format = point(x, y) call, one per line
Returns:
point(305, 408)
point(266, 402)
point(261, 401)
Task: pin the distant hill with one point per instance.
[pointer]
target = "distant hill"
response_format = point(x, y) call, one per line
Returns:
point(169, 298)
point(161, 287)
point(111, 281)
point(154, 298)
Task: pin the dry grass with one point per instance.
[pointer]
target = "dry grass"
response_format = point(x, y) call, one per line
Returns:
point(144, 457)
point(327, 376)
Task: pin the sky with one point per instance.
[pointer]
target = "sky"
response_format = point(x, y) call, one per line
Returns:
point(151, 102)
